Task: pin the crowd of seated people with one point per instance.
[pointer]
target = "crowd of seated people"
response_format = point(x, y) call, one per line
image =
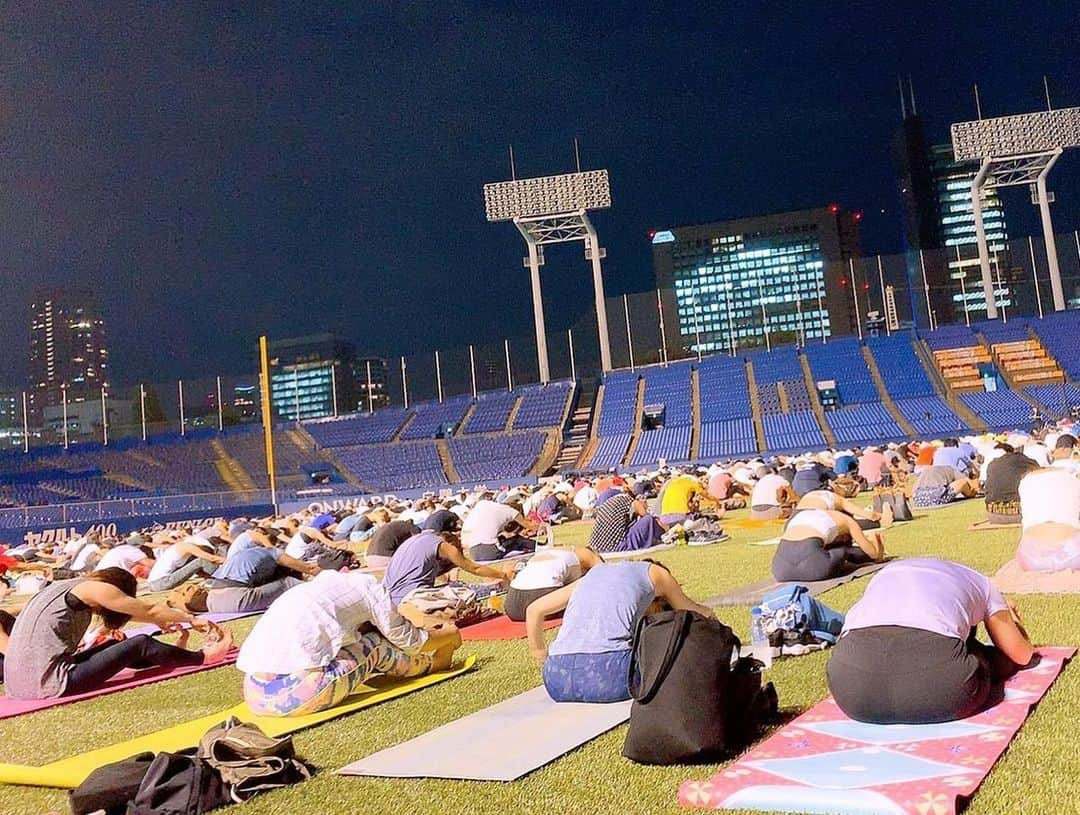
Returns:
point(372, 588)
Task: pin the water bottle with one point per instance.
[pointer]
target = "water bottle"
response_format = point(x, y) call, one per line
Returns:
point(759, 638)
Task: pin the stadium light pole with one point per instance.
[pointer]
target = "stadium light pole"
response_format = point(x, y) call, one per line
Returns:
point(268, 424)
point(926, 291)
point(472, 370)
point(63, 395)
point(884, 307)
point(142, 408)
point(333, 386)
point(570, 341)
point(963, 287)
point(697, 326)
point(220, 410)
point(438, 375)
point(629, 336)
point(855, 296)
point(1035, 275)
point(663, 332)
point(1001, 288)
point(180, 389)
point(554, 209)
point(1016, 151)
point(25, 425)
point(509, 374)
point(370, 397)
point(404, 384)
point(104, 418)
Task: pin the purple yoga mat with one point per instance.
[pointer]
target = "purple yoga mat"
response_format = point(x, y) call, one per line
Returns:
point(122, 681)
point(212, 616)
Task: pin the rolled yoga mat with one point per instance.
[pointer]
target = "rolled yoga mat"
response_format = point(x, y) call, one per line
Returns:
point(824, 762)
point(754, 593)
point(475, 748)
point(70, 772)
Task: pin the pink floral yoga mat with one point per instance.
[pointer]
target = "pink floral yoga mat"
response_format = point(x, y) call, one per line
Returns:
point(124, 680)
point(824, 762)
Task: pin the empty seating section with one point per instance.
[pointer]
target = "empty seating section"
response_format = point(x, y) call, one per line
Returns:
point(294, 454)
point(950, 337)
point(543, 405)
point(842, 360)
point(929, 415)
point(1057, 399)
point(610, 451)
point(899, 365)
point(492, 412)
point(405, 465)
point(362, 428)
point(792, 431)
point(798, 398)
point(1001, 410)
point(769, 397)
point(960, 367)
point(1060, 335)
point(726, 426)
point(669, 443)
point(779, 365)
point(434, 419)
point(618, 416)
point(995, 331)
point(482, 458)
point(728, 438)
point(869, 422)
point(671, 388)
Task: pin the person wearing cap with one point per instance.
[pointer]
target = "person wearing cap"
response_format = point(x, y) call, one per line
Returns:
point(1063, 457)
point(442, 520)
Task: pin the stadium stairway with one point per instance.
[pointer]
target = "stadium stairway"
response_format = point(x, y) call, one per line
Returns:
point(234, 476)
point(815, 402)
point(447, 461)
point(404, 426)
point(460, 430)
point(695, 415)
point(755, 406)
point(922, 351)
point(639, 409)
point(512, 415)
point(781, 393)
point(576, 439)
point(547, 461)
point(883, 393)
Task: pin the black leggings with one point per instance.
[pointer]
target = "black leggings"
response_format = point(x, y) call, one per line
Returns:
point(92, 668)
point(894, 675)
point(487, 552)
point(518, 600)
point(809, 560)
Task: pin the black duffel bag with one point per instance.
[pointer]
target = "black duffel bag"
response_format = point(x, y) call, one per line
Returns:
point(693, 702)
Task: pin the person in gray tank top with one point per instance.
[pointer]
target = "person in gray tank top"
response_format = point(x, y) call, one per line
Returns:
point(589, 661)
point(42, 661)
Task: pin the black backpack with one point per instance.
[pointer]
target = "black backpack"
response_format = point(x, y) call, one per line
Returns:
point(179, 784)
point(692, 701)
point(109, 788)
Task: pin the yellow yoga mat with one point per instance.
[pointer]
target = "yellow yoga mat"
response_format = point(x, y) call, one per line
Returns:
point(68, 773)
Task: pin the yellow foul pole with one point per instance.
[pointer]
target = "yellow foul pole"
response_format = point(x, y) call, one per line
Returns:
point(268, 424)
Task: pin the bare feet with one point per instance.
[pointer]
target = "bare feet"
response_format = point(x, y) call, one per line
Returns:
point(886, 516)
point(217, 646)
point(443, 658)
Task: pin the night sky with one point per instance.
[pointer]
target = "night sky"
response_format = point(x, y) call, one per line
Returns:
point(218, 174)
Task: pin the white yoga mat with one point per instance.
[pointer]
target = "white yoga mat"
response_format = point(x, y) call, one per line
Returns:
point(500, 743)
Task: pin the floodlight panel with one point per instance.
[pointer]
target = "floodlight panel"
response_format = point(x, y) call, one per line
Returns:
point(1017, 135)
point(547, 195)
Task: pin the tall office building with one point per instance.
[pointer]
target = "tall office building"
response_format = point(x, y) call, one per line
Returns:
point(785, 277)
point(956, 224)
point(939, 229)
point(68, 349)
point(306, 373)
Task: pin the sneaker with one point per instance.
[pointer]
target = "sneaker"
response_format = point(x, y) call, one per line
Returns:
point(797, 643)
point(706, 538)
point(676, 535)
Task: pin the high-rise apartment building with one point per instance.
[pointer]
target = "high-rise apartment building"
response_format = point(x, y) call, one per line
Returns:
point(68, 349)
point(752, 281)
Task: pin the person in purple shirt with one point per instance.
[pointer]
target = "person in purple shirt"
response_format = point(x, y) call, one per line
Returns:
point(918, 661)
point(950, 455)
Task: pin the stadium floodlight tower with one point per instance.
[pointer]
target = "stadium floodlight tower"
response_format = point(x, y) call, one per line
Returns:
point(554, 209)
point(1016, 150)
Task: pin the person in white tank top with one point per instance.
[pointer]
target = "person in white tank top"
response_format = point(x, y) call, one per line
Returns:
point(818, 544)
point(829, 500)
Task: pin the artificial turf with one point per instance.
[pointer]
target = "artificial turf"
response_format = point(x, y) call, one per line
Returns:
point(1037, 774)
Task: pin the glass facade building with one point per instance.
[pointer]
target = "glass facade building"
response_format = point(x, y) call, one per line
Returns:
point(756, 281)
point(956, 228)
point(308, 373)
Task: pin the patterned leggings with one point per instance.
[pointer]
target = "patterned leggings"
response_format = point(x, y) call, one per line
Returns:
point(321, 688)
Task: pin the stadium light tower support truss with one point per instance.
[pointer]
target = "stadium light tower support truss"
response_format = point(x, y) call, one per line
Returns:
point(1014, 151)
point(548, 210)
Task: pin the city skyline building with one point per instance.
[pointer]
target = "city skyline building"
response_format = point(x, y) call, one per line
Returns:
point(68, 349)
point(760, 280)
point(307, 375)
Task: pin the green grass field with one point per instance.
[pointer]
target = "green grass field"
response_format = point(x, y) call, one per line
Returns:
point(1037, 774)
